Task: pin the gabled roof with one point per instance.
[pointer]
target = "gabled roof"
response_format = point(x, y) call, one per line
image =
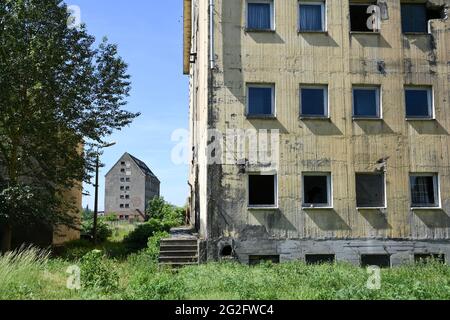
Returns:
point(139, 163)
point(145, 169)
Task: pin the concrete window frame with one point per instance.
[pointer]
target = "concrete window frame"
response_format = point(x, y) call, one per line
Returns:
point(272, 15)
point(431, 101)
point(275, 206)
point(384, 206)
point(378, 101)
point(272, 86)
point(361, 3)
point(312, 206)
point(324, 87)
point(324, 8)
point(436, 190)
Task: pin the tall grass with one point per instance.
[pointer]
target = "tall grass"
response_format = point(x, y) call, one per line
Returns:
point(30, 274)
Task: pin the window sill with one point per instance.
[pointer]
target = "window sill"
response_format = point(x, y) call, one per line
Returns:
point(260, 30)
point(312, 31)
point(315, 118)
point(416, 34)
point(377, 33)
point(264, 117)
point(317, 208)
point(371, 208)
point(367, 118)
point(420, 119)
point(273, 208)
point(425, 208)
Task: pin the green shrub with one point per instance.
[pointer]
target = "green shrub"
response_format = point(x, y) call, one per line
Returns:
point(103, 229)
point(75, 250)
point(154, 242)
point(138, 239)
point(98, 273)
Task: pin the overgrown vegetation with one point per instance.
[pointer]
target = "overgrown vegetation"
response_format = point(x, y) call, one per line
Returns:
point(31, 274)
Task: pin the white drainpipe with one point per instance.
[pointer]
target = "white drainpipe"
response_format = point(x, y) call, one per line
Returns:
point(212, 55)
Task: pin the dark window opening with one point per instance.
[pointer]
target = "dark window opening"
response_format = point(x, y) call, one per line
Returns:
point(122, 206)
point(127, 206)
point(378, 260)
point(312, 16)
point(122, 163)
point(366, 103)
point(122, 188)
point(313, 102)
point(226, 251)
point(122, 197)
point(418, 103)
point(122, 170)
point(424, 191)
point(316, 190)
point(259, 15)
point(415, 17)
point(319, 258)
point(255, 260)
point(127, 197)
point(359, 17)
point(370, 190)
point(262, 190)
point(424, 258)
point(260, 101)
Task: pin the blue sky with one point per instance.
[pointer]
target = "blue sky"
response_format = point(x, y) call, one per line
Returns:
point(149, 36)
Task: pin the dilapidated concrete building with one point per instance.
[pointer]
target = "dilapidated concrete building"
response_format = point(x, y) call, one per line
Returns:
point(129, 186)
point(358, 93)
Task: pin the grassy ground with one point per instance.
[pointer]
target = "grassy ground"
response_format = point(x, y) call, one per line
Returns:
point(111, 272)
point(34, 275)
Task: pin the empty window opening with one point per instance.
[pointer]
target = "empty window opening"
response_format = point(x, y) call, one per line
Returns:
point(122, 197)
point(122, 163)
point(261, 100)
point(226, 251)
point(122, 170)
point(122, 206)
point(314, 101)
point(425, 258)
point(319, 258)
point(424, 190)
point(122, 188)
point(127, 188)
point(378, 260)
point(122, 179)
point(128, 179)
point(127, 206)
point(370, 190)
point(312, 16)
point(419, 102)
point(317, 190)
point(366, 102)
point(262, 190)
point(359, 17)
point(255, 260)
point(260, 14)
point(127, 196)
point(416, 16)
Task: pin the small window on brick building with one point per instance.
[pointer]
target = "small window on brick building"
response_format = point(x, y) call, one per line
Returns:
point(370, 190)
point(424, 190)
point(255, 260)
point(314, 101)
point(419, 102)
point(427, 257)
point(262, 190)
point(260, 15)
point(378, 260)
point(359, 16)
point(312, 16)
point(415, 16)
point(366, 102)
point(260, 100)
point(317, 190)
point(319, 258)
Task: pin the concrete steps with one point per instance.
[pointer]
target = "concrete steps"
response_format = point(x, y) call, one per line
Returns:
point(178, 251)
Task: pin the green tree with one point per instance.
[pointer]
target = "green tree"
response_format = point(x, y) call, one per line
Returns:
point(58, 92)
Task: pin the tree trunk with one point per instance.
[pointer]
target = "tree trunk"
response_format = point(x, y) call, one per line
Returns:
point(6, 237)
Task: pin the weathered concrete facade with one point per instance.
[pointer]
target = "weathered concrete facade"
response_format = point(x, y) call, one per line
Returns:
point(340, 145)
point(129, 186)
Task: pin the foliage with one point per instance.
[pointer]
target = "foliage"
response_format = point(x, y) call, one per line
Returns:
point(103, 229)
point(98, 273)
point(163, 217)
point(32, 275)
point(57, 92)
point(154, 242)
